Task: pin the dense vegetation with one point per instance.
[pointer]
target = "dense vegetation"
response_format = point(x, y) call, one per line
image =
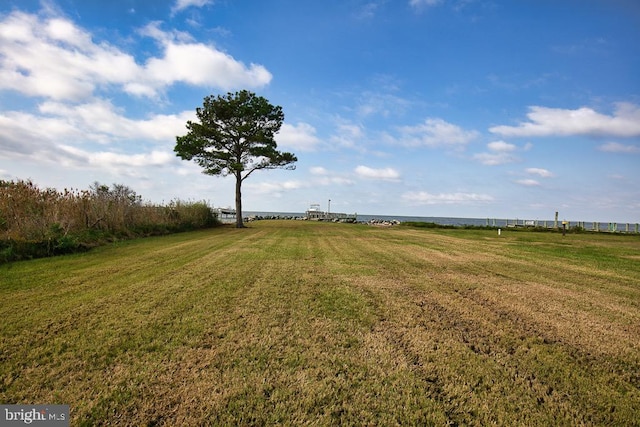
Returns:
point(312, 323)
point(37, 222)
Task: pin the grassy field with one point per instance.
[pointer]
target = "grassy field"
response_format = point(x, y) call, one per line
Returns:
point(312, 323)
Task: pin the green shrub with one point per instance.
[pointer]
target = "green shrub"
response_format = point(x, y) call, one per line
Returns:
point(6, 252)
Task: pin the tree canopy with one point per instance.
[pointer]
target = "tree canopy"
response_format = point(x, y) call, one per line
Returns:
point(234, 135)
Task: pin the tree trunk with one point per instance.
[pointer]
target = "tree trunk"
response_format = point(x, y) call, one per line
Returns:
point(239, 223)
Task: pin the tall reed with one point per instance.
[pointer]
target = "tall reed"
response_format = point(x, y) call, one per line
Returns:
point(38, 222)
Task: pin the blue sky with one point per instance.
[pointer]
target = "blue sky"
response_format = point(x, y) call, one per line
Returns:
point(462, 108)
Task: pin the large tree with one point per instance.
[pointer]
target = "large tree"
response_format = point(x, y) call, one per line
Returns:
point(234, 135)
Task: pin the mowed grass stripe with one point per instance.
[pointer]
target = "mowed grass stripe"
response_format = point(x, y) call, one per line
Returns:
point(502, 327)
point(313, 323)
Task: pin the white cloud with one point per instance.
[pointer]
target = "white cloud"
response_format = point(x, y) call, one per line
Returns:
point(54, 58)
point(540, 172)
point(348, 135)
point(528, 182)
point(26, 134)
point(111, 159)
point(425, 198)
point(318, 170)
point(183, 4)
point(64, 31)
point(154, 31)
point(435, 132)
point(42, 152)
point(494, 159)
point(387, 174)
point(100, 121)
point(424, 3)
point(543, 121)
point(333, 180)
point(501, 146)
point(499, 154)
point(616, 147)
point(201, 65)
point(274, 187)
point(299, 137)
point(322, 176)
point(58, 130)
point(384, 104)
point(368, 10)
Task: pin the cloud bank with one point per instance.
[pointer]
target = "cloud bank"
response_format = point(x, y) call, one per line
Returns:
point(52, 57)
point(435, 132)
point(544, 121)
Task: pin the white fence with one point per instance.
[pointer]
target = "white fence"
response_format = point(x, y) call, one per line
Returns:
point(611, 227)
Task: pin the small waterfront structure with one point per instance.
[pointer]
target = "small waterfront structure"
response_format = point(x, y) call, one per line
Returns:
point(225, 214)
point(315, 214)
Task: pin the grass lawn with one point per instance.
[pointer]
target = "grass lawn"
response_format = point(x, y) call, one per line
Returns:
point(313, 323)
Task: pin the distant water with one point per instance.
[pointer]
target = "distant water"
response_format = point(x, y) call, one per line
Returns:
point(460, 222)
point(434, 219)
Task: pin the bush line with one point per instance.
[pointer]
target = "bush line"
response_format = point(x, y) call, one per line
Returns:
point(38, 222)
